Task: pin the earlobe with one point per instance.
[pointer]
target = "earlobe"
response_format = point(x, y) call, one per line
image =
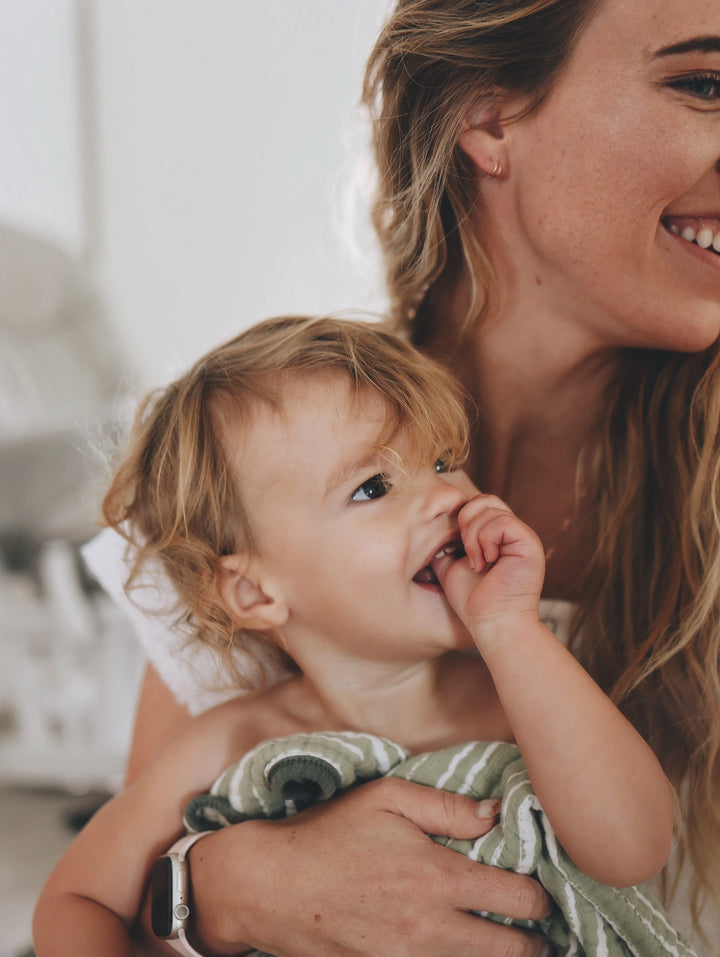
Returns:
point(247, 600)
point(483, 140)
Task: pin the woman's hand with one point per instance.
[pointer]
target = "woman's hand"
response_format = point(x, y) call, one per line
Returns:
point(359, 876)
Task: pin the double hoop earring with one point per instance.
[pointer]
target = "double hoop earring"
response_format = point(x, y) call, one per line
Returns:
point(497, 168)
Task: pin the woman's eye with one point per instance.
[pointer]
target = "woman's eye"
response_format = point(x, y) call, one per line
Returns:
point(375, 487)
point(704, 86)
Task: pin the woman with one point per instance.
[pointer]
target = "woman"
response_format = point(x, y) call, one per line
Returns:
point(548, 207)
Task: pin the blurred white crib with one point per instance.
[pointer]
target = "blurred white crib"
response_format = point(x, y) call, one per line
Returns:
point(68, 680)
point(68, 671)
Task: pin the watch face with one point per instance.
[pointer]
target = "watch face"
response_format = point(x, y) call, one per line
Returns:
point(161, 893)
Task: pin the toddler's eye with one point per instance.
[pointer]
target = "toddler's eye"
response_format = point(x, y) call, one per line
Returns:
point(375, 487)
point(444, 463)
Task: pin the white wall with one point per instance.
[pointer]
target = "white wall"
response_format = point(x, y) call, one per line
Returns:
point(201, 152)
point(41, 172)
point(227, 140)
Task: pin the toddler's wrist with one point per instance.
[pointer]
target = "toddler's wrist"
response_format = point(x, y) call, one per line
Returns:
point(503, 630)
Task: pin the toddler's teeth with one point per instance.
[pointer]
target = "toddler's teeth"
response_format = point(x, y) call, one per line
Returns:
point(716, 242)
point(674, 229)
point(704, 237)
point(689, 234)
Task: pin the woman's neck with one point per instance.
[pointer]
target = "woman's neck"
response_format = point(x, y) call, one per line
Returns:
point(540, 387)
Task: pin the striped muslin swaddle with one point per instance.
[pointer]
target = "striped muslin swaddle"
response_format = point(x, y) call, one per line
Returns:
point(285, 775)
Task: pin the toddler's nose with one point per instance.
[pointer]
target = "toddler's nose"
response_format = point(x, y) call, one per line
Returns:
point(448, 492)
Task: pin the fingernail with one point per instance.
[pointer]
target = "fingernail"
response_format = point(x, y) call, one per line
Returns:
point(488, 808)
point(546, 950)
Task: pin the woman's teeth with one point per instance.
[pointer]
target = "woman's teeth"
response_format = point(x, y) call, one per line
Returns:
point(703, 237)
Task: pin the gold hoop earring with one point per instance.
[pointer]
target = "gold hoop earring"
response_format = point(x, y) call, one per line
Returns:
point(497, 168)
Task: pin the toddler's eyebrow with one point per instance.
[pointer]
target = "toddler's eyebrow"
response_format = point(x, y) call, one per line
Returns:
point(352, 467)
point(705, 44)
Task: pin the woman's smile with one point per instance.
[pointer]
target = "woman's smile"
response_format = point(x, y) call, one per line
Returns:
point(701, 243)
point(630, 198)
point(702, 232)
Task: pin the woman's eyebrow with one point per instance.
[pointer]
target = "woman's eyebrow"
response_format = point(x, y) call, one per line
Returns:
point(706, 44)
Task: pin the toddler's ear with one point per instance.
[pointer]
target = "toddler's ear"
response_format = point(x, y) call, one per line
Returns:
point(246, 599)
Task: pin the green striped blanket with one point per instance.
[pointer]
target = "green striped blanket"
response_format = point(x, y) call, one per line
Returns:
point(283, 776)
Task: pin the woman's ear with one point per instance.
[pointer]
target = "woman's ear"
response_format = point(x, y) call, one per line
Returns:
point(483, 140)
point(246, 599)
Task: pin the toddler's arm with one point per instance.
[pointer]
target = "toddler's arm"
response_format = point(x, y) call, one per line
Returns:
point(598, 781)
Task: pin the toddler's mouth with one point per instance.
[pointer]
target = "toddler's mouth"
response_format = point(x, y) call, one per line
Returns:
point(426, 575)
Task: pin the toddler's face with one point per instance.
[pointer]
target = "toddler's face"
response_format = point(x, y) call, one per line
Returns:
point(344, 532)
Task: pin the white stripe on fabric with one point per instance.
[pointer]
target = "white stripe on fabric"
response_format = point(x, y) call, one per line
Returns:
point(234, 785)
point(444, 778)
point(416, 766)
point(383, 758)
point(336, 739)
point(656, 912)
point(571, 911)
point(602, 941)
point(528, 835)
point(468, 783)
point(498, 853)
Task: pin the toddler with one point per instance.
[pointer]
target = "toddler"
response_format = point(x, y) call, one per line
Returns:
point(301, 487)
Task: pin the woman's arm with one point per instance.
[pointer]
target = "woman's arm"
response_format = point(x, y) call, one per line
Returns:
point(354, 876)
point(358, 876)
point(597, 780)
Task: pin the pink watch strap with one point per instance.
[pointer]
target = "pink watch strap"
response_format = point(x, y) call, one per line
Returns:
point(180, 943)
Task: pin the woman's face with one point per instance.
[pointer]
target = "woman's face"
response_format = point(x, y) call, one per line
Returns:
point(606, 176)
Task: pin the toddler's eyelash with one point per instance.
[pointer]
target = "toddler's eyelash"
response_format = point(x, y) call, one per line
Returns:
point(372, 488)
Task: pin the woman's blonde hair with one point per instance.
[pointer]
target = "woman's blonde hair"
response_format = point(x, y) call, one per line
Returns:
point(649, 603)
point(177, 497)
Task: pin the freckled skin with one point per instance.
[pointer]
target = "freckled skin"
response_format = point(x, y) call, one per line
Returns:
point(592, 171)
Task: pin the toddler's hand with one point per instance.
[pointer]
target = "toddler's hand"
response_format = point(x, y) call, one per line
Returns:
point(502, 572)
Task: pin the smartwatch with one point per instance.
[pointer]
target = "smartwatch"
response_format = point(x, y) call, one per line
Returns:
point(170, 895)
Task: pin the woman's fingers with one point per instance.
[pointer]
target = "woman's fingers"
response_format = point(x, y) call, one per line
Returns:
point(484, 938)
point(433, 810)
